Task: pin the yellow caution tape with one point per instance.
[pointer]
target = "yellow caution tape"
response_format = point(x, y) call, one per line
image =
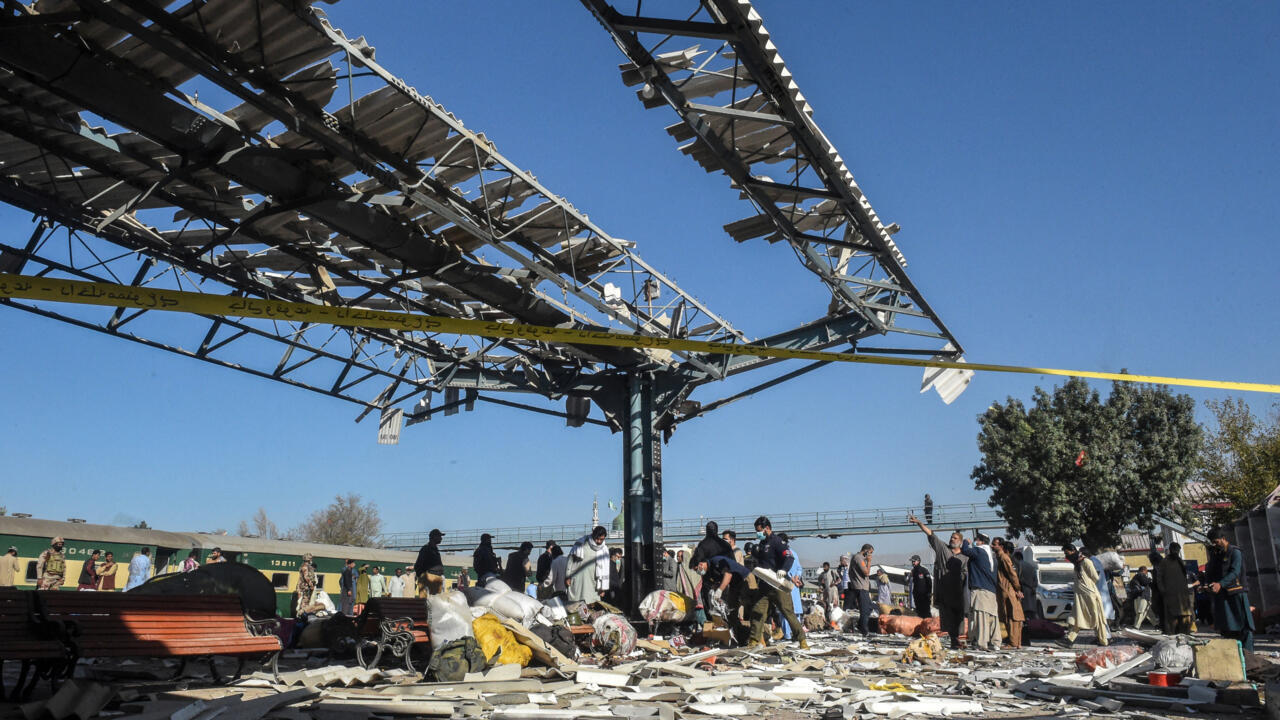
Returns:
point(95, 293)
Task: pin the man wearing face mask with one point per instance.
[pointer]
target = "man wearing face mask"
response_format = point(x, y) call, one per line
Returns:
point(731, 539)
point(727, 581)
point(615, 595)
point(950, 573)
point(771, 558)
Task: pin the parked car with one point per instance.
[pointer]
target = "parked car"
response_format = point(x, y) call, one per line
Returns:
point(1055, 594)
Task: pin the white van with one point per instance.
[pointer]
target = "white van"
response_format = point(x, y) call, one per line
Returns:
point(1056, 594)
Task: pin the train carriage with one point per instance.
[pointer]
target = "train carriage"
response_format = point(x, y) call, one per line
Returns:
point(278, 560)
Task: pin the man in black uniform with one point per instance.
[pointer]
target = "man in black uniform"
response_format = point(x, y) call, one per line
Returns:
point(921, 583)
point(516, 576)
point(771, 556)
point(486, 561)
point(347, 584)
point(428, 568)
point(725, 581)
point(710, 546)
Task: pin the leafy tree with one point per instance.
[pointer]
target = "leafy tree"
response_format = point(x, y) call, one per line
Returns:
point(347, 521)
point(142, 525)
point(1075, 467)
point(1241, 457)
point(262, 527)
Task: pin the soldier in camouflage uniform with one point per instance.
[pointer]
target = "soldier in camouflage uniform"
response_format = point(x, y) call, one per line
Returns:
point(51, 567)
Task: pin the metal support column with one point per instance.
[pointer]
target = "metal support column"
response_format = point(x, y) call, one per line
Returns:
point(642, 491)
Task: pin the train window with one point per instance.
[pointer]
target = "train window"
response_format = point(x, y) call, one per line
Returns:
point(320, 581)
point(280, 580)
point(31, 572)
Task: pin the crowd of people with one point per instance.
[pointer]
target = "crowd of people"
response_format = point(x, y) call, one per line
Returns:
point(982, 589)
point(98, 572)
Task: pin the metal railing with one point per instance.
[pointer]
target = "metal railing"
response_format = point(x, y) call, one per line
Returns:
point(683, 530)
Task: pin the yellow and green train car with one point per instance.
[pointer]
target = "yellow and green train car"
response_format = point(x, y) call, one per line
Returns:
point(278, 560)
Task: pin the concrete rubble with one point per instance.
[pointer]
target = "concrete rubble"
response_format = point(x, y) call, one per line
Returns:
point(835, 679)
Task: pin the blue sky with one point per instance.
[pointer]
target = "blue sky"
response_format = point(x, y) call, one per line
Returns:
point(1086, 185)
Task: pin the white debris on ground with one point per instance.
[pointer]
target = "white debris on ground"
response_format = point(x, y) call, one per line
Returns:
point(834, 678)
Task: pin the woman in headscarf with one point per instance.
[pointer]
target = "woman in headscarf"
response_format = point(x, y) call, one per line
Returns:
point(1171, 578)
point(306, 584)
point(1088, 613)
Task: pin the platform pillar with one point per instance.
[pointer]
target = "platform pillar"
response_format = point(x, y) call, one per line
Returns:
point(642, 492)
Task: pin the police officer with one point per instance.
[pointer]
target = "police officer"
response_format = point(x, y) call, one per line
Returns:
point(725, 582)
point(771, 556)
point(51, 567)
point(429, 568)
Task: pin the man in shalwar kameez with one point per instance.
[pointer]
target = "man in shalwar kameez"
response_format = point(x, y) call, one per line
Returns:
point(1088, 613)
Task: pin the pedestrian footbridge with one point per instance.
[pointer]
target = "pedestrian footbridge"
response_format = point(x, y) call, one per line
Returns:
point(824, 524)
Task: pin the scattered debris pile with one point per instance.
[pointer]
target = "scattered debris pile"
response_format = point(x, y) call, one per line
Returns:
point(893, 676)
point(501, 655)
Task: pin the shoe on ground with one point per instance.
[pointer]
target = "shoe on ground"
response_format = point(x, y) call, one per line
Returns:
point(753, 646)
point(1063, 643)
point(804, 643)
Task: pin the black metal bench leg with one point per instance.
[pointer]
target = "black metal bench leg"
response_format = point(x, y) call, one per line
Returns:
point(213, 672)
point(20, 692)
point(361, 647)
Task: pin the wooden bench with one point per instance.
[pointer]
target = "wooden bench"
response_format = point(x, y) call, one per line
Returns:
point(29, 638)
point(104, 624)
point(394, 625)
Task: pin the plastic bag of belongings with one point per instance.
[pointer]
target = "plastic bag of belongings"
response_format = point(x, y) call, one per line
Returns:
point(1173, 654)
point(498, 643)
point(1106, 657)
point(449, 617)
point(504, 602)
point(665, 606)
point(613, 635)
point(908, 625)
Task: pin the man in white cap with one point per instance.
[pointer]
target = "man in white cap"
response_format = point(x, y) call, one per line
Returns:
point(51, 567)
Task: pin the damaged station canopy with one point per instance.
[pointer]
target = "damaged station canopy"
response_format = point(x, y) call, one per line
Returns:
point(248, 147)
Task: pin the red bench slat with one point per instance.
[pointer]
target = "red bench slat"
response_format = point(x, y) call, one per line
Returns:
point(126, 625)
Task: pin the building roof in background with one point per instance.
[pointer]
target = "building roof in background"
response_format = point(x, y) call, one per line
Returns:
point(1202, 496)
